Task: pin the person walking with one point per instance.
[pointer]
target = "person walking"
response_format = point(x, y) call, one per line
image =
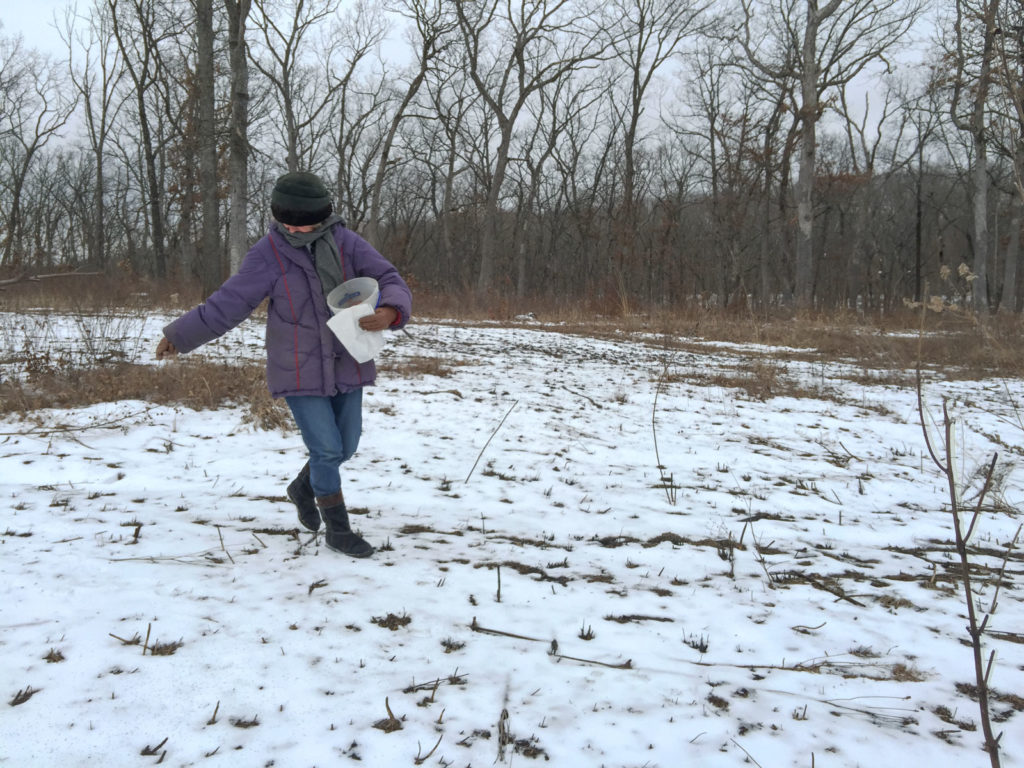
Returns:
point(306, 253)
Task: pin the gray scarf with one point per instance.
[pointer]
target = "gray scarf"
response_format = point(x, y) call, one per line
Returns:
point(323, 250)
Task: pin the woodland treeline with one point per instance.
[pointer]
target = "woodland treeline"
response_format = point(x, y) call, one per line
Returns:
point(639, 151)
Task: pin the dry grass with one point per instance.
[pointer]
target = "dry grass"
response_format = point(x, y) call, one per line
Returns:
point(194, 383)
point(191, 382)
point(91, 293)
point(418, 366)
point(884, 346)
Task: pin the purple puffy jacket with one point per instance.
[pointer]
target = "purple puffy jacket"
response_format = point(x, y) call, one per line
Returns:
point(303, 356)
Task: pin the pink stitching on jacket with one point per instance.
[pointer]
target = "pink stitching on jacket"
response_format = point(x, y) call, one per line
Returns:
point(291, 306)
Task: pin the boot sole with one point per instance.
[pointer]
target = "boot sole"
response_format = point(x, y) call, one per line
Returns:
point(358, 555)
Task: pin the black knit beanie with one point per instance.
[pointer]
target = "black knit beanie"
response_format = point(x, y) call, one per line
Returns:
point(300, 199)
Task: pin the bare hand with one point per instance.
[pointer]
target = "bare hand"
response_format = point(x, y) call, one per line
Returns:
point(165, 349)
point(383, 317)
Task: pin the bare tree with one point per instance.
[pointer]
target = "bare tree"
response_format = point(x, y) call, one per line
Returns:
point(581, 163)
point(923, 114)
point(1009, 76)
point(210, 266)
point(558, 107)
point(824, 46)
point(973, 52)
point(874, 147)
point(34, 106)
point(515, 51)
point(439, 146)
point(238, 131)
point(96, 78)
point(291, 57)
point(359, 104)
point(141, 28)
point(360, 118)
point(428, 38)
point(728, 123)
point(647, 34)
point(746, 132)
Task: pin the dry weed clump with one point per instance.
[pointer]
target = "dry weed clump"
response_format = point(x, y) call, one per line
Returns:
point(23, 695)
point(391, 621)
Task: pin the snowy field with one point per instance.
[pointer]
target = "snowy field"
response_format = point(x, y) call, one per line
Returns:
point(782, 593)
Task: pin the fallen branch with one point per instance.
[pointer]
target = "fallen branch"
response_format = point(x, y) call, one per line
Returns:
point(585, 397)
point(627, 664)
point(454, 679)
point(840, 595)
point(439, 392)
point(485, 631)
point(204, 555)
point(24, 277)
point(109, 424)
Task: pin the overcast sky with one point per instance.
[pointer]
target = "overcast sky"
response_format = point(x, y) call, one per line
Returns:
point(34, 20)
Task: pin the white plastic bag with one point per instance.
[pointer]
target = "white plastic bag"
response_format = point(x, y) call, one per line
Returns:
point(362, 345)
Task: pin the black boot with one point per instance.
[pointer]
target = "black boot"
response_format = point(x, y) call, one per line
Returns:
point(301, 494)
point(340, 536)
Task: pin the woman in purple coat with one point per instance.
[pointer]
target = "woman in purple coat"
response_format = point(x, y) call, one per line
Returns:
point(307, 252)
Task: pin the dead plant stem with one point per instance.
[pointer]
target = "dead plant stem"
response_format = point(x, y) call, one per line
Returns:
point(667, 480)
point(479, 455)
point(946, 464)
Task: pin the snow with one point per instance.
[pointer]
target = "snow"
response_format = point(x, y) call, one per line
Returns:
point(787, 601)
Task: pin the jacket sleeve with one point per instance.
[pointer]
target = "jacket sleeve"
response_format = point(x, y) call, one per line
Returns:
point(394, 292)
point(228, 306)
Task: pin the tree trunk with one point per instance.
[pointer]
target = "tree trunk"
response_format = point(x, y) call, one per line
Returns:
point(1008, 298)
point(238, 141)
point(490, 236)
point(371, 231)
point(98, 241)
point(15, 246)
point(142, 78)
point(210, 255)
point(804, 268)
point(918, 222)
point(979, 206)
point(156, 219)
point(976, 89)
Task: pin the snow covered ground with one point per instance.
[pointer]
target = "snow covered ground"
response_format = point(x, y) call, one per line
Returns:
point(541, 594)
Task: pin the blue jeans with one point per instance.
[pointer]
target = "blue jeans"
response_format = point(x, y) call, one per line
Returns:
point(330, 428)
